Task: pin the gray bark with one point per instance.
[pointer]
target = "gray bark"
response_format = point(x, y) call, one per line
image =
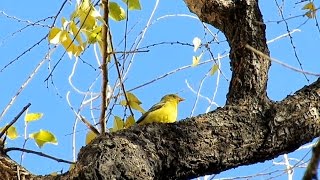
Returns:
point(251, 128)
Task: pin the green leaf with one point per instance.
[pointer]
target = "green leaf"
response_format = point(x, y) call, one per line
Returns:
point(133, 4)
point(116, 12)
point(33, 117)
point(42, 137)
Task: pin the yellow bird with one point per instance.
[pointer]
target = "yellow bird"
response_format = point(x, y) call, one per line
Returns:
point(165, 111)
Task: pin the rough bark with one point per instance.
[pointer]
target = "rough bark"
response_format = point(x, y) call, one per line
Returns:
point(249, 129)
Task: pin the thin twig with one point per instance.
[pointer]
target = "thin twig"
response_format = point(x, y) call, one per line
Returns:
point(14, 120)
point(279, 62)
point(173, 71)
point(24, 53)
point(25, 83)
point(141, 36)
point(291, 41)
point(120, 77)
point(129, 52)
point(198, 93)
point(37, 153)
point(89, 125)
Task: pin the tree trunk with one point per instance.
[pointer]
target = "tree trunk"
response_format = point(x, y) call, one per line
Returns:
point(249, 129)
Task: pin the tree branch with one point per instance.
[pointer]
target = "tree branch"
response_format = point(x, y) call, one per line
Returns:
point(14, 120)
point(242, 23)
point(206, 144)
point(105, 55)
point(249, 129)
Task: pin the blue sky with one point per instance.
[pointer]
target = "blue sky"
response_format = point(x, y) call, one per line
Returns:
point(160, 60)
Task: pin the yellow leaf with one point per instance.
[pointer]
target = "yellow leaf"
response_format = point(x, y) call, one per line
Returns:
point(132, 97)
point(67, 43)
point(133, 4)
point(312, 10)
point(118, 124)
point(116, 12)
point(88, 22)
point(129, 122)
point(75, 31)
point(71, 167)
point(64, 23)
point(85, 4)
point(196, 43)
point(309, 6)
point(136, 106)
point(11, 132)
point(87, 15)
point(214, 69)
point(33, 117)
point(134, 102)
point(311, 14)
point(43, 137)
point(54, 35)
point(196, 59)
point(95, 35)
point(90, 136)
point(77, 50)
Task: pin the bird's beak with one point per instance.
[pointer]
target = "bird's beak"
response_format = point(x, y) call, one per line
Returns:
point(181, 99)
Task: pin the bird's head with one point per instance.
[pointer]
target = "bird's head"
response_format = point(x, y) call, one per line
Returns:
point(172, 97)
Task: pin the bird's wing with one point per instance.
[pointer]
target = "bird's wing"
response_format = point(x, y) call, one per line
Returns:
point(153, 108)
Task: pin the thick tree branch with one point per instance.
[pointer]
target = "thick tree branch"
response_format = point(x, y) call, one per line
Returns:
point(210, 143)
point(249, 129)
point(241, 22)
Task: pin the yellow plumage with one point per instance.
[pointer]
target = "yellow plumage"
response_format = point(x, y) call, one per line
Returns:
point(166, 111)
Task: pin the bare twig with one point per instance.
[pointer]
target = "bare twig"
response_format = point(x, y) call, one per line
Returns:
point(89, 125)
point(23, 86)
point(279, 62)
point(119, 75)
point(174, 71)
point(14, 120)
point(291, 41)
point(24, 53)
point(37, 153)
point(198, 93)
